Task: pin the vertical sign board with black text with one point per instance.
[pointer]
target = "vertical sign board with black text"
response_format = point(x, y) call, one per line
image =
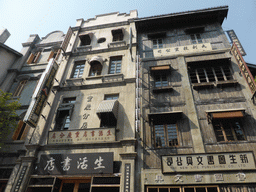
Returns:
point(41, 93)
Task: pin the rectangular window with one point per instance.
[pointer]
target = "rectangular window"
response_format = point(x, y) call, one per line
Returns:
point(19, 88)
point(85, 40)
point(118, 35)
point(54, 54)
point(228, 130)
point(210, 71)
point(196, 38)
point(78, 70)
point(34, 57)
point(96, 68)
point(157, 43)
point(166, 135)
point(111, 97)
point(21, 131)
point(115, 65)
point(161, 80)
point(183, 188)
point(64, 113)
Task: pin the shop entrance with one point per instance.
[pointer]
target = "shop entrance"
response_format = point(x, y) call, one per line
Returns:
point(75, 185)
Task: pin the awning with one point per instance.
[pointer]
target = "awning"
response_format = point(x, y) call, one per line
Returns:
point(160, 69)
point(108, 106)
point(225, 114)
point(96, 58)
point(165, 117)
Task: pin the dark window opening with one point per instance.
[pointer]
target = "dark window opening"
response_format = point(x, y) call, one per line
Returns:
point(210, 71)
point(63, 120)
point(85, 40)
point(69, 100)
point(20, 88)
point(111, 97)
point(101, 40)
point(108, 120)
point(228, 130)
point(96, 68)
point(118, 35)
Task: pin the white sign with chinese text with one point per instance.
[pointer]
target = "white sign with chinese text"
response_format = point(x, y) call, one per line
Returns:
point(182, 49)
point(81, 136)
point(208, 162)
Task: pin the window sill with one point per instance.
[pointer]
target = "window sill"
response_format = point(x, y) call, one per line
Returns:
point(74, 81)
point(117, 44)
point(226, 83)
point(94, 77)
point(162, 89)
point(112, 78)
point(230, 142)
point(203, 85)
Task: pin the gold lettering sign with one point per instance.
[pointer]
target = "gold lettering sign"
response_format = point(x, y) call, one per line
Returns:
point(82, 136)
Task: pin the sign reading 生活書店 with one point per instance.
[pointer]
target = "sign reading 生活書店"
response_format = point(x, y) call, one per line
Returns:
point(208, 162)
point(75, 164)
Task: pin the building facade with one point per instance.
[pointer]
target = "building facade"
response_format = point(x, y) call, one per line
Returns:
point(21, 79)
point(197, 115)
point(84, 132)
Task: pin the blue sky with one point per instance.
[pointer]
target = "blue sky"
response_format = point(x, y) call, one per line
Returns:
point(41, 17)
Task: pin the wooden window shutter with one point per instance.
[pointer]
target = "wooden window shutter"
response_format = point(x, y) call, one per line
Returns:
point(51, 55)
point(17, 131)
point(228, 115)
point(30, 59)
point(58, 53)
point(25, 132)
point(37, 57)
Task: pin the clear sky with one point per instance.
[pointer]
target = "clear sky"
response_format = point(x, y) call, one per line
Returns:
point(41, 17)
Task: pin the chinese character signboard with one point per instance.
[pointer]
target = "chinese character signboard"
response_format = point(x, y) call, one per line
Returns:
point(234, 39)
point(208, 162)
point(82, 136)
point(41, 93)
point(75, 164)
point(244, 68)
point(172, 51)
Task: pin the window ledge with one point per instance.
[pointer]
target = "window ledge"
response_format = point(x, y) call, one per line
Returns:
point(203, 85)
point(162, 89)
point(117, 44)
point(74, 81)
point(84, 48)
point(226, 83)
point(113, 78)
point(94, 77)
point(231, 142)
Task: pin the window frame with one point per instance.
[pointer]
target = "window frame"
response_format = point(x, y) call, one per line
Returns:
point(118, 35)
point(34, 57)
point(231, 128)
point(95, 69)
point(80, 67)
point(166, 135)
point(20, 88)
point(182, 188)
point(111, 97)
point(158, 43)
point(212, 71)
point(85, 40)
point(196, 38)
point(114, 61)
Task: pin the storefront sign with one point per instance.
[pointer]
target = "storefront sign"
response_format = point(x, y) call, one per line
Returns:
point(171, 51)
point(41, 94)
point(244, 68)
point(234, 39)
point(208, 162)
point(82, 136)
point(75, 164)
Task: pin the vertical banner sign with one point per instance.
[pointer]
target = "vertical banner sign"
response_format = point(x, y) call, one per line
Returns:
point(244, 68)
point(234, 39)
point(41, 93)
point(23, 171)
point(127, 176)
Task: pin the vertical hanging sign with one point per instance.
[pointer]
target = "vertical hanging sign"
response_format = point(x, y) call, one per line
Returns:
point(234, 39)
point(41, 93)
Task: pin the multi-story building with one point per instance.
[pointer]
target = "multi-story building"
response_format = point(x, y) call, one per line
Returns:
point(197, 128)
point(21, 79)
point(84, 134)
